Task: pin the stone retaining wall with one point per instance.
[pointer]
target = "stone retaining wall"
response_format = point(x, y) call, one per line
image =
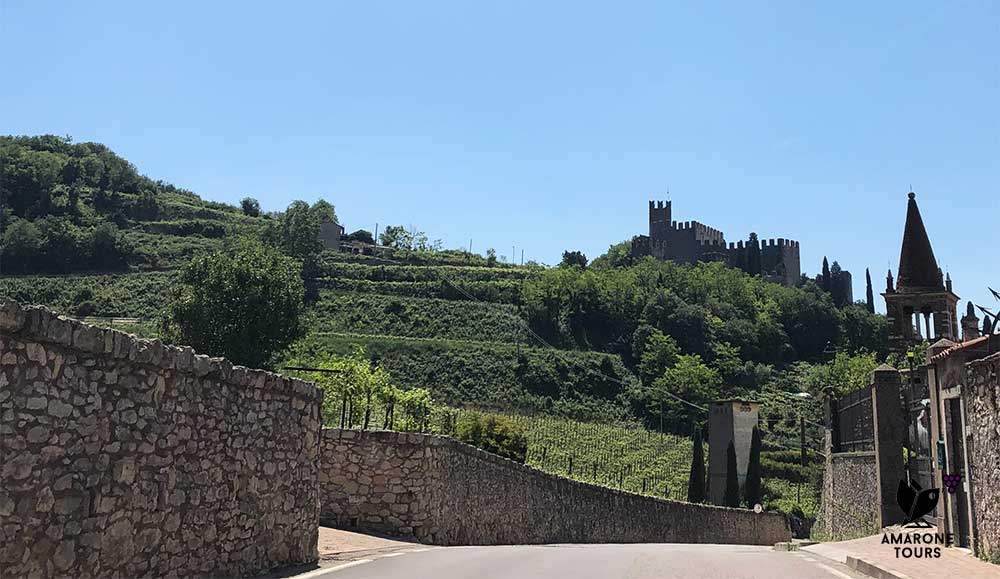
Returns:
point(982, 407)
point(850, 500)
point(443, 492)
point(123, 457)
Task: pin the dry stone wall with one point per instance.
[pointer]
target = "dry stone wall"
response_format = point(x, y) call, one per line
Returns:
point(443, 492)
point(124, 457)
point(982, 407)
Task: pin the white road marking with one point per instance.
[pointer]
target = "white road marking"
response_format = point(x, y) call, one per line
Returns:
point(332, 569)
point(391, 555)
point(420, 550)
point(834, 571)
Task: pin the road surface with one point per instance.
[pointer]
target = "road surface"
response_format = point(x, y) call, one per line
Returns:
point(645, 561)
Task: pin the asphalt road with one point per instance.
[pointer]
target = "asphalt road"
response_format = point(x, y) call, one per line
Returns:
point(669, 561)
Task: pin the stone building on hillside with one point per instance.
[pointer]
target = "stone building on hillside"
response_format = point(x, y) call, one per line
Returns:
point(330, 233)
point(777, 260)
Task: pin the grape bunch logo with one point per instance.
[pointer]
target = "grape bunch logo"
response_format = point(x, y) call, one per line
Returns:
point(951, 481)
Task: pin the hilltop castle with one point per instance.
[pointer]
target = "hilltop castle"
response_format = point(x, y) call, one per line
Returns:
point(690, 241)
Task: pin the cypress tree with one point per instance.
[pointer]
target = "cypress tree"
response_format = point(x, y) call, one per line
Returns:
point(825, 279)
point(696, 483)
point(752, 486)
point(732, 496)
point(869, 294)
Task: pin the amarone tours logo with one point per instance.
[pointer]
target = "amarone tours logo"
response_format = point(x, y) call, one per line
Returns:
point(916, 503)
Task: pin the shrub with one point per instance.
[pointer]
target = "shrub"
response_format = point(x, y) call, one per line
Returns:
point(492, 433)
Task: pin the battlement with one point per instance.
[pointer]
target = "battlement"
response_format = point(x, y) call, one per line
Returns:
point(659, 211)
point(768, 243)
point(692, 241)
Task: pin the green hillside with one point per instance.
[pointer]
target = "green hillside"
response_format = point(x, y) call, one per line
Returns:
point(80, 207)
point(601, 354)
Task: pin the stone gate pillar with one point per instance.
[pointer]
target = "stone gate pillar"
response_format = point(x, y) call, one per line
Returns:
point(889, 425)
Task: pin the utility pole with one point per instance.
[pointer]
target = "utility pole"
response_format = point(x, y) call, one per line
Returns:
point(522, 257)
point(376, 234)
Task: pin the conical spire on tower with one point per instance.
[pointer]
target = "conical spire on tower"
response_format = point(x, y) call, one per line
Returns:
point(918, 268)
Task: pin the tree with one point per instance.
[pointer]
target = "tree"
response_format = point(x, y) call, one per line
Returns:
point(732, 496)
point(660, 353)
point(22, 243)
point(361, 236)
point(825, 278)
point(752, 486)
point(869, 294)
point(323, 212)
point(396, 236)
point(696, 481)
point(573, 259)
point(689, 379)
point(296, 233)
point(244, 303)
point(250, 206)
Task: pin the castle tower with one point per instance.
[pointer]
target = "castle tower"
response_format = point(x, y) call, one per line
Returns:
point(659, 220)
point(920, 307)
point(970, 323)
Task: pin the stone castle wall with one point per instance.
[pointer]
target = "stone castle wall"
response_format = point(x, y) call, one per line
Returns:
point(123, 457)
point(443, 492)
point(982, 407)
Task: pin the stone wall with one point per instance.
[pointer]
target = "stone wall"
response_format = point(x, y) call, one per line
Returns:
point(443, 492)
point(982, 409)
point(850, 501)
point(123, 457)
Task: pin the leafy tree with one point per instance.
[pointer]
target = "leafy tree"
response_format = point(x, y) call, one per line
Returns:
point(493, 433)
point(22, 243)
point(109, 250)
point(659, 354)
point(250, 206)
point(396, 236)
point(732, 495)
point(245, 304)
point(361, 236)
point(696, 481)
point(689, 379)
point(323, 212)
point(752, 489)
point(296, 232)
point(864, 332)
point(845, 373)
point(573, 259)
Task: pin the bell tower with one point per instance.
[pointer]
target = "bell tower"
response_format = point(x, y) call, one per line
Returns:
point(921, 306)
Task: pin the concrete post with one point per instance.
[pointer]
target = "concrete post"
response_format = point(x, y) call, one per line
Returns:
point(889, 422)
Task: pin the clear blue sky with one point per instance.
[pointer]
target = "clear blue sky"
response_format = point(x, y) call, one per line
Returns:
point(546, 126)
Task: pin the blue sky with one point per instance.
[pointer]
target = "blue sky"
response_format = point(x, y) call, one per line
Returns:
point(546, 126)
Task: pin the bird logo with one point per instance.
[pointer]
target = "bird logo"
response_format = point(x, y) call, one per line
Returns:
point(916, 502)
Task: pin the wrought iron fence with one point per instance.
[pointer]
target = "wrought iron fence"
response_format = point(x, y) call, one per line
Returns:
point(853, 426)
